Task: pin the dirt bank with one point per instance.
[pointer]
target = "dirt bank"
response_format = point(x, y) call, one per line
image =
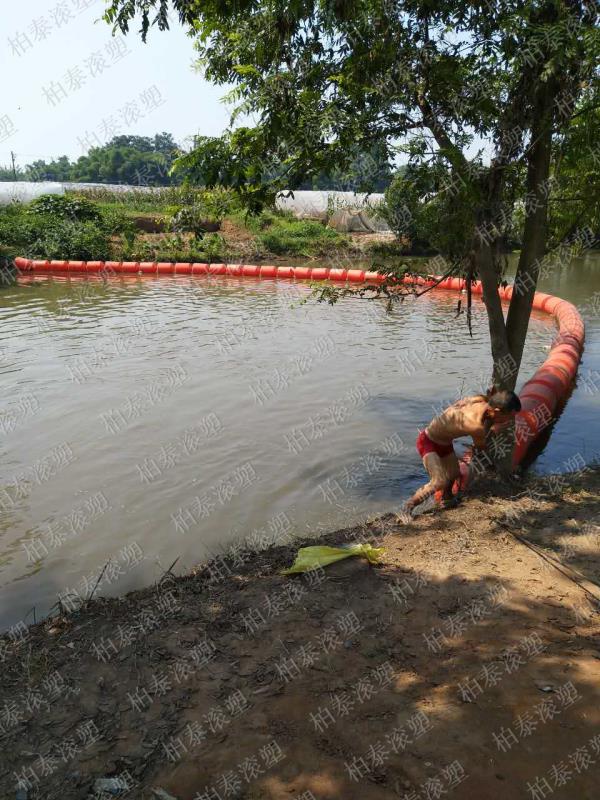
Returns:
point(464, 666)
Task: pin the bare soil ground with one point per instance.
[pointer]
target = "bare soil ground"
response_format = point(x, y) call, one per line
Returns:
point(465, 665)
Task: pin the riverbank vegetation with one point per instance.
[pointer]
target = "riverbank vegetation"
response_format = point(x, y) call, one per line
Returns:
point(173, 224)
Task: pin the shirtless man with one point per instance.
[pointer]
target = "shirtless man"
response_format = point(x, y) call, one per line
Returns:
point(471, 416)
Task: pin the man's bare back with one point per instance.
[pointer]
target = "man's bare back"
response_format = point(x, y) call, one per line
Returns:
point(472, 416)
point(467, 417)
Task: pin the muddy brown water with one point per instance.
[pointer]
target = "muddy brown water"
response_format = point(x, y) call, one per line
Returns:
point(148, 420)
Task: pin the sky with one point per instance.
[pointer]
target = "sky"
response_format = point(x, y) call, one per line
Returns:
point(69, 85)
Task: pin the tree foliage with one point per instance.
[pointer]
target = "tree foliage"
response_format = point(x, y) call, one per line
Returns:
point(575, 185)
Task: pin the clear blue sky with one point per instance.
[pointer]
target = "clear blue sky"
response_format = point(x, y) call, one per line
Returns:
point(67, 84)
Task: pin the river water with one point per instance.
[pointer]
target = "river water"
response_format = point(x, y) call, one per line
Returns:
point(148, 420)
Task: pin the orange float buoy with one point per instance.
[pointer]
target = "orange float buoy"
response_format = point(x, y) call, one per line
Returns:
point(302, 273)
point(285, 272)
point(336, 274)
point(356, 275)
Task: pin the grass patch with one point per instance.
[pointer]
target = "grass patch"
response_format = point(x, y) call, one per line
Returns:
point(286, 236)
point(211, 248)
point(215, 203)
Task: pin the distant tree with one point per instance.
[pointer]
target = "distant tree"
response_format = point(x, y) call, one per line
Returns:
point(56, 170)
point(140, 160)
point(137, 160)
point(7, 174)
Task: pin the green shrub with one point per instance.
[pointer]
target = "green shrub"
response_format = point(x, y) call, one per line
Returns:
point(300, 237)
point(15, 229)
point(57, 206)
point(191, 219)
point(116, 222)
point(47, 229)
point(63, 239)
point(218, 203)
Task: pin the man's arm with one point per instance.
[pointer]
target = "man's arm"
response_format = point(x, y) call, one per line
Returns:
point(480, 436)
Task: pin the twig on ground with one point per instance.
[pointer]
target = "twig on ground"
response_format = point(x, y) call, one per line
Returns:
point(91, 595)
point(168, 571)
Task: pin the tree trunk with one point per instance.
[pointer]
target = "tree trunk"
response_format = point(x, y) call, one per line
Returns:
point(485, 266)
point(535, 233)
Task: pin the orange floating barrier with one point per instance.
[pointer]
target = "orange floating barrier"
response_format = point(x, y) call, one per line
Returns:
point(268, 271)
point(445, 284)
point(41, 266)
point(546, 379)
point(250, 271)
point(334, 274)
point(356, 275)
point(533, 395)
point(302, 273)
point(285, 272)
point(457, 283)
point(560, 372)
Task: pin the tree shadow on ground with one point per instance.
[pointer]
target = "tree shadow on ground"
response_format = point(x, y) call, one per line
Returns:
point(565, 524)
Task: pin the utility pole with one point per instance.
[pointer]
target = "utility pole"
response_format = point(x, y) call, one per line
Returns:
point(12, 155)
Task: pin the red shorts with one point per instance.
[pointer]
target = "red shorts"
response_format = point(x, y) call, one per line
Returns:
point(426, 445)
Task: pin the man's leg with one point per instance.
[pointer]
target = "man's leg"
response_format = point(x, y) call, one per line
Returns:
point(437, 474)
point(451, 469)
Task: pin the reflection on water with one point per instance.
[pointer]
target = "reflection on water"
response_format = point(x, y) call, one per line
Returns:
point(144, 420)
